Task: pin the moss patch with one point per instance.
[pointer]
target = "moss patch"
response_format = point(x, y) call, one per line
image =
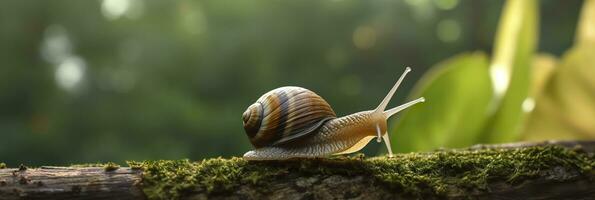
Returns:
point(89, 165)
point(413, 174)
point(134, 165)
point(109, 166)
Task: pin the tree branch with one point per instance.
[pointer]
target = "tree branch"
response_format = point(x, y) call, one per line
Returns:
point(69, 183)
point(518, 170)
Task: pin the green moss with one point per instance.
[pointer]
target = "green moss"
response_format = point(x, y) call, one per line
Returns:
point(109, 166)
point(88, 165)
point(134, 165)
point(411, 174)
point(2, 165)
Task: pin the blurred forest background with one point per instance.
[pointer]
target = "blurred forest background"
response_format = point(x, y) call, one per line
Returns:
point(116, 80)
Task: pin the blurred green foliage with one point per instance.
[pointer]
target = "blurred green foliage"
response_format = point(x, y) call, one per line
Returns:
point(520, 80)
point(478, 101)
point(458, 93)
point(115, 80)
point(566, 107)
point(514, 49)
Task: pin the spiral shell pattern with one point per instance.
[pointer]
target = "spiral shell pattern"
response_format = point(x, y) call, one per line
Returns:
point(285, 114)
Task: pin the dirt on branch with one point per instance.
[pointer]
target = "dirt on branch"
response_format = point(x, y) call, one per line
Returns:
point(550, 170)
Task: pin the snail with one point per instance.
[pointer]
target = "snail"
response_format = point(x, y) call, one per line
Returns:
point(294, 122)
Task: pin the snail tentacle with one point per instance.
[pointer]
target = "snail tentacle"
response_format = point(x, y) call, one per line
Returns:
point(397, 109)
point(392, 91)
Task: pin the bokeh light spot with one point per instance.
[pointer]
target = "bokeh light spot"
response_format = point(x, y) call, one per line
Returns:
point(70, 72)
point(448, 30)
point(528, 104)
point(446, 4)
point(422, 9)
point(364, 37)
point(500, 77)
point(56, 45)
point(114, 9)
point(193, 19)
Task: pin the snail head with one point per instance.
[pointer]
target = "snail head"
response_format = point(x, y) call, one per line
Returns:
point(382, 115)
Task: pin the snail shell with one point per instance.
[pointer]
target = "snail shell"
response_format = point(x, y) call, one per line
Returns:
point(285, 114)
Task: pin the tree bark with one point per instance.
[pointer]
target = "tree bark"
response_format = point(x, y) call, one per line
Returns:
point(126, 183)
point(70, 183)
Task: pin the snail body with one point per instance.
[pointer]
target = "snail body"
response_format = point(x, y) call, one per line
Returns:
point(294, 122)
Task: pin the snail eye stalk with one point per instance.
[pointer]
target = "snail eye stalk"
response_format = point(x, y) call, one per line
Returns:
point(388, 113)
point(392, 91)
point(395, 110)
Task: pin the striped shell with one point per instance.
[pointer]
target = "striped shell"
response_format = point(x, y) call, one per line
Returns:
point(285, 114)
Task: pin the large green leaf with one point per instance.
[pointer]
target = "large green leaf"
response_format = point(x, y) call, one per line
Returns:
point(585, 33)
point(457, 92)
point(566, 110)
point(510, 69)
point(542, 68)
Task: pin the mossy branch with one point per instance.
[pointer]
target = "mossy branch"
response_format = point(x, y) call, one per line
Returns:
point(521, 170)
